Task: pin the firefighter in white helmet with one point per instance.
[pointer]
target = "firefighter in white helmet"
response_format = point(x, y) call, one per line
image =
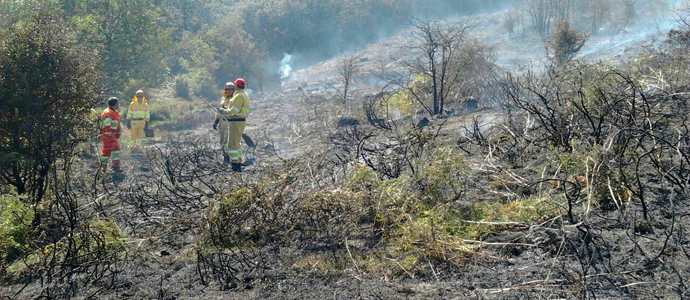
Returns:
point(232, 118)
point(223, 123)
point(138, 117)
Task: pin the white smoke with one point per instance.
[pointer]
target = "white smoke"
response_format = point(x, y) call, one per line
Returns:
point(285, 67)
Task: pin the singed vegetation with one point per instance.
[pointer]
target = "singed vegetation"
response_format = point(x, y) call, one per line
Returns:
point(448, 177)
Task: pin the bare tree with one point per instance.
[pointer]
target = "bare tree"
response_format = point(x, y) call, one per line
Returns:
point(347, 71)
point(562, 9)
point(541, 12)
point(514, 23)
point(598, 12)
point(658, 11)
point(680, 36)
point(438, 44)
point(629, 10)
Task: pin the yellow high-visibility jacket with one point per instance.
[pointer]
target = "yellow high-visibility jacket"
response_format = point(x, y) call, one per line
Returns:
point(138, 110)
point(238, 105)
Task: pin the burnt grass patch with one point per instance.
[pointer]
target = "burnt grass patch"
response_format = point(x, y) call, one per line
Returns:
point(577, 188)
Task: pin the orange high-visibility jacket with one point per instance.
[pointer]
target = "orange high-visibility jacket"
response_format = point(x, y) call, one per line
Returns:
point(110, 124)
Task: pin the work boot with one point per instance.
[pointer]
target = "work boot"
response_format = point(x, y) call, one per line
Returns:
point(237, 167)
point(226, 159)
point(118, 175)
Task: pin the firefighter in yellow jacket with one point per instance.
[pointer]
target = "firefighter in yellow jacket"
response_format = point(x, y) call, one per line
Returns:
point(138, 117)
point(228, 92)
point(232, 118)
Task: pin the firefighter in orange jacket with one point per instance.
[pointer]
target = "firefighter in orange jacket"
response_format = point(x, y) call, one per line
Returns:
point(111, 128)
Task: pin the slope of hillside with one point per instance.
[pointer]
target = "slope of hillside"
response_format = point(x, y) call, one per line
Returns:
point(489, 203)
point(512, 53)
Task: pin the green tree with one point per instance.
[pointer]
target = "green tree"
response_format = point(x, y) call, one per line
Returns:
point(10, 12)
point(566, 42)
point(236, 54)
point(128, 35)
point(439, 60)
point(198, 63)
point(47, 89)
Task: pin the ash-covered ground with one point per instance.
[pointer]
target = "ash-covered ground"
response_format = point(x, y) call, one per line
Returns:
point(162, 206)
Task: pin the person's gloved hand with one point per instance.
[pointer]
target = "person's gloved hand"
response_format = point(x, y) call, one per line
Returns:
point(215, 124)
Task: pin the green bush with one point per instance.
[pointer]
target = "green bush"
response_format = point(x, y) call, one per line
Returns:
point(403, 102)
point(410, 219)
point(174, 112)
point(47, 78)
point(442, 180)
point(182, 88)
point(15, 226)
point(566, 42)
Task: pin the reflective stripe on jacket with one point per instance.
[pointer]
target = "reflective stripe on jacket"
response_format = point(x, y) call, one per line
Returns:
point(110, 123)
point(138, 111)
point(238, 106)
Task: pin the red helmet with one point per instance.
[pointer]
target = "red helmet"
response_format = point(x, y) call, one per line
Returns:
point(240, 83)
